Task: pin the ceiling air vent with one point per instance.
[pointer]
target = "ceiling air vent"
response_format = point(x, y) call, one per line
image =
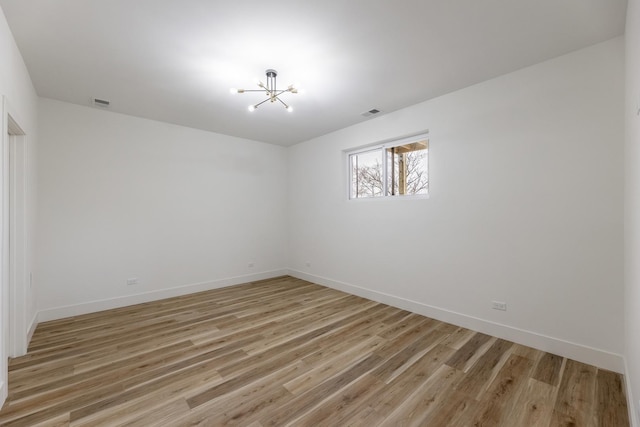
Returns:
point(100, 102)
point(371, 112)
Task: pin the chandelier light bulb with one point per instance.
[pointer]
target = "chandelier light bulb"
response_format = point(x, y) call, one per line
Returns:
point(233, 90)
point(252, 107)
point(290, 108)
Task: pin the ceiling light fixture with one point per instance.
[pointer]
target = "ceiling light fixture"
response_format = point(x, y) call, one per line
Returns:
point(271, 90)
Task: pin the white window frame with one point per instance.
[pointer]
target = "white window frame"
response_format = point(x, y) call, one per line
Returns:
point(383, 146)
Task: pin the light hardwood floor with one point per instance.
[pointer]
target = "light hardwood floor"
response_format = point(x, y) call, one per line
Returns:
point(288, 352)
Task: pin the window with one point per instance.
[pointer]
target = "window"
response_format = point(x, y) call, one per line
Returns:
point(397, 168)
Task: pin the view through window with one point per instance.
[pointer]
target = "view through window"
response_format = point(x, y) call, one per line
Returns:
point(398, 168)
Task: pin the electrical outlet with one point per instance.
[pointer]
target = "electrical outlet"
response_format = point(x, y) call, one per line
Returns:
point(132, 281)
point(497, 305)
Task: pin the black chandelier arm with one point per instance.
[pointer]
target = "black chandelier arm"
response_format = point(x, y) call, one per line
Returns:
point(279, 91)
point(283, 103)
point(260, 103)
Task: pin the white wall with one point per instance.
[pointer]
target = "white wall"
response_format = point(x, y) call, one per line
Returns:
point(22, 105)
point(526, 207)
point(632, 204)
point(178, 208)
point(20, 101)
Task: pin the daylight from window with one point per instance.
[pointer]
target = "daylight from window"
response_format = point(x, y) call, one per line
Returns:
point(397, 169)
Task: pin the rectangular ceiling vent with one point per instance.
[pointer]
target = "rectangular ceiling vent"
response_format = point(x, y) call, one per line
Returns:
point(371, 112)
point(100, 102)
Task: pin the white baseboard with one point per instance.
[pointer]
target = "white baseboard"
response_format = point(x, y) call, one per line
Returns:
point(634, 411)
point(4, 392)
point(32, 328)
point(593, 356)
point(106, 304)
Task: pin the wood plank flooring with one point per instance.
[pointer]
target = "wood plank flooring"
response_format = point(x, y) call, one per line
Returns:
point(288, 352)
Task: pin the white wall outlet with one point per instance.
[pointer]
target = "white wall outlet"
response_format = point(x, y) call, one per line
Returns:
point(497, 305)
point(132, 281)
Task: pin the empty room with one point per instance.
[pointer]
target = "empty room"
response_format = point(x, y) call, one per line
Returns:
point(336, 213)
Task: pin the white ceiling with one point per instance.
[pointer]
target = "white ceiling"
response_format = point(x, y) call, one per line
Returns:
point(175, 60)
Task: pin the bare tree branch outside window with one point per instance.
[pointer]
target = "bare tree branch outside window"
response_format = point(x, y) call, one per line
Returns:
point(417, 178)
point(410, 167)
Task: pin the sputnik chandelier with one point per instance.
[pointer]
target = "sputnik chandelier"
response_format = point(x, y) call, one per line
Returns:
point(270, 89)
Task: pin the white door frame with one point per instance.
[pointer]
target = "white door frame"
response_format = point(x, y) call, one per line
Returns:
point(18, 282)
point(13, 295)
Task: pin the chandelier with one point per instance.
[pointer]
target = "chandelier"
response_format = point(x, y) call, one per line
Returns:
point(270, 89)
